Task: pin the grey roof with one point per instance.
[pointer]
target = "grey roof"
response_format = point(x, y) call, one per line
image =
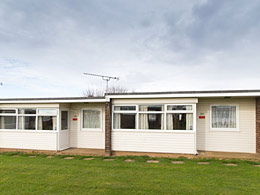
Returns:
point(187, 92)
point(51, 98)
point(131, 93)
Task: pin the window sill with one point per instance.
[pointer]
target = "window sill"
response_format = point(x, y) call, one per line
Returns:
point(151, 131)
point(225, 130)
point(91, 130)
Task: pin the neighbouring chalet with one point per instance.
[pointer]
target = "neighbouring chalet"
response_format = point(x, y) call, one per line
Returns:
point(183, 122)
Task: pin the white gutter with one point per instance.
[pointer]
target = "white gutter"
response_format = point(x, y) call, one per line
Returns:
point(250, 94)
point(54, 101)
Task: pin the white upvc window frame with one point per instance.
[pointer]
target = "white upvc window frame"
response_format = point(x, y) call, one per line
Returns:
point(225, 129)
point(10, 114)
point(151, 112)
point(192, 111)
point(22, 115)
point(82, 119)
point(125, 112)
point(36, 123)
point(164, 112)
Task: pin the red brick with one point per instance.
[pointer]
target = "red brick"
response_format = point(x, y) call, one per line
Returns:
point(108, 121)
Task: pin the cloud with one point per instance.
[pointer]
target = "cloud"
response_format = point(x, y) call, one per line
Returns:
point(45, 46)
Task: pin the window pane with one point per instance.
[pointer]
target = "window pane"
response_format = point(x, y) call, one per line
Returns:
point(7, 111)
point(27, 111)
point(7, 122)
point(124, 121)
point(151, 108)
point(132, 108)
point(48, 111)
point(47, 123)
point(26, 122)
point(179, 121)
point(224, 116)
point(179, 107)
point(151, 121)
point(64, 120)
point(91, 119)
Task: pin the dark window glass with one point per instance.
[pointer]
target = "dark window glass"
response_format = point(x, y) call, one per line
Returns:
point(64, 120)
point(151, 108)
point(179, 121)
point(27, 111)
point(7, 122)
point(124, 121)
point(47, 123)
point(179, 107)
point(151, 121)
point(26, 122)
point(7, 111)
point(130, 108)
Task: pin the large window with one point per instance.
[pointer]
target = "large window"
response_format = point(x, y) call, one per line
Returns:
point(91, 119)
point(224, 117)
point(154, 117)
point(28, 118)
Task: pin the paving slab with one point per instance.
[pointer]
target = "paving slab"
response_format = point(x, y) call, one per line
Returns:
point(129, 160)
point(88, 158)
point(153, 161)
point(177, 162)
point(231, 164)
point(15, 155)
point(49, 156)
point(32, 156)
point(256, 165)
point(203, 163)
point(109, 159)
point(69, 157)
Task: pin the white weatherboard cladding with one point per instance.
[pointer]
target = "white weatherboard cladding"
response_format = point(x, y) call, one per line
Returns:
point(79, 138)
point(242, 140)
point(153, 142)
point(28, 140)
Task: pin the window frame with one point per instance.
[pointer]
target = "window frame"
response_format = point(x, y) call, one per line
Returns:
point(164, 112)
point(225, 129)
point(17, 115)
point(82, 119)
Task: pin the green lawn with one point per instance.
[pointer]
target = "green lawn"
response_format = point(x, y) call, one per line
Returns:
point(40, 175)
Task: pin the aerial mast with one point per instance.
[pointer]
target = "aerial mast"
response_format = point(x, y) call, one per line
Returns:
point(105, 78)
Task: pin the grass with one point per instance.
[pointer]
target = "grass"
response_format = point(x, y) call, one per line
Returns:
point(41, 175)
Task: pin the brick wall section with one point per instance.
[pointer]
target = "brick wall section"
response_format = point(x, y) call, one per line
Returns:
point(258, 125)
point(108, 121)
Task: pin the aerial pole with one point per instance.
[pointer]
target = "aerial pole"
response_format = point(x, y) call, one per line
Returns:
point(105, 78)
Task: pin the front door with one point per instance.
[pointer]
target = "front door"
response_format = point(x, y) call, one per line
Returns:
point(64, 130)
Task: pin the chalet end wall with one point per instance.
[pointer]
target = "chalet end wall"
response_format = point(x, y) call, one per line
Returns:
point(258, 125)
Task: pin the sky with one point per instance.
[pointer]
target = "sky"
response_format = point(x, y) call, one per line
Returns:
point(166, 45)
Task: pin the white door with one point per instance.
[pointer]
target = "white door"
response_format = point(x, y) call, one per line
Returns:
point(64, 130)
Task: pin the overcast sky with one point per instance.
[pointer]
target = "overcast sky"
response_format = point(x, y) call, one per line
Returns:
point(164, 45)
